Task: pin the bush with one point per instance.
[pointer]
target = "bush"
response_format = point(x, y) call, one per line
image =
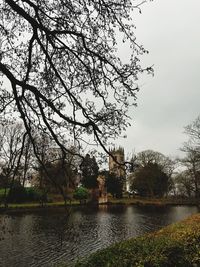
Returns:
point(17, 193)
point(81, 193)
point(33, 194)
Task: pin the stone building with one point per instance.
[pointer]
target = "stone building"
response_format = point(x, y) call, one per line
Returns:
point(115, 161)
point(103, 197)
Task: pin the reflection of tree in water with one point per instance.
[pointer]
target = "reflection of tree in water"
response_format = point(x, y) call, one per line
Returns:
point(60, 231)
point(5, 229)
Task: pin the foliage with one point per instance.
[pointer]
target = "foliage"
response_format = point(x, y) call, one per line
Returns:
point(2, 191)
point(3, 195)
point(150, 180)
point(81, 193)
point(55, 173)
point(176, 245)
point(89, 182)
point(114, 184)
point(55, 177)
point(4, 181)
point(61, 60)
point(147, 157)
point(90, 171)
point(19, 194)
point(33, 194)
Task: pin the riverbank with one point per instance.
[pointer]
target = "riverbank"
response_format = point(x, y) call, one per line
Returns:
point(139, 201)
point(29, 207)
point(23, 207)
point(175, 245)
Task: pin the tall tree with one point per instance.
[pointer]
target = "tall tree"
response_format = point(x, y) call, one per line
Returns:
point(61, 60)
point(90, 171)
point(114, 184)
point(184, 184)
point(193, 132)
point(12, 140)
point(150, 180)
point(192, 149)
point(165, 163)
point(54, 169)
point(192, 163)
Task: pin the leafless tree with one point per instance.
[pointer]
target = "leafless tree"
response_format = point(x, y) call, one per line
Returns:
point(53, 170)
point(61, 60)
point(193, 132)
point(12, 139)
point(183, 184)
point(150, 156)
point(192, 149)
point(192, 163)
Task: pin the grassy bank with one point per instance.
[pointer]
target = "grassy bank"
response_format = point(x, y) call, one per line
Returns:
point(24, 207)
point(175, 245)
point(139, 201)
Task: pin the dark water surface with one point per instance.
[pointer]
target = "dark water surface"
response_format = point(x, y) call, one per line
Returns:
point(48, 238)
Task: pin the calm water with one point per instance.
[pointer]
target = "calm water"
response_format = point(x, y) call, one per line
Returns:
point(45, 239)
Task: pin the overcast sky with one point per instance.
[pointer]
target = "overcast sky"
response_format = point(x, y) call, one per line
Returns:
point(170, 30)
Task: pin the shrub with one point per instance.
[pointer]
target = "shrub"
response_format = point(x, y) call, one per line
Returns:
point(33, 194)
point(81, 193)
point(17, 193)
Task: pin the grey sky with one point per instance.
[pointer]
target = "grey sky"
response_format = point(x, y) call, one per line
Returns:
point(170, 30)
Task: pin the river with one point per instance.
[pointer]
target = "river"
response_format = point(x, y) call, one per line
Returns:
point(46, 238)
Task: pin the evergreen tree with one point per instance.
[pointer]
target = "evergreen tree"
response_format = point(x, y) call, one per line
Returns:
point(90, 171)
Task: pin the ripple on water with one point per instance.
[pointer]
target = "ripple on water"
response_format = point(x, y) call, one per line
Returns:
point(44, 240)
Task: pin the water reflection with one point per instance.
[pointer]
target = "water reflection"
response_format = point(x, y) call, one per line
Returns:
point(45, 239)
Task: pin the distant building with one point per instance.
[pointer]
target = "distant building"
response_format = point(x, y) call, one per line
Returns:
point(116, 162)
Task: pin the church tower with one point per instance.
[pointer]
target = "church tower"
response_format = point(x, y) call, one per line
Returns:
point(115, 161)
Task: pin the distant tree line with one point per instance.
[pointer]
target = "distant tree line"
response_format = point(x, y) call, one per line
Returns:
point(149, 174)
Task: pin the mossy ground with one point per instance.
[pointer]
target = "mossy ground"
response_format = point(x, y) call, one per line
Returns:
point(175, 245)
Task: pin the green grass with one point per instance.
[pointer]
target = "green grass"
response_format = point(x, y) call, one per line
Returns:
point(35, 203)
point(177, 245)
point(38, 205)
